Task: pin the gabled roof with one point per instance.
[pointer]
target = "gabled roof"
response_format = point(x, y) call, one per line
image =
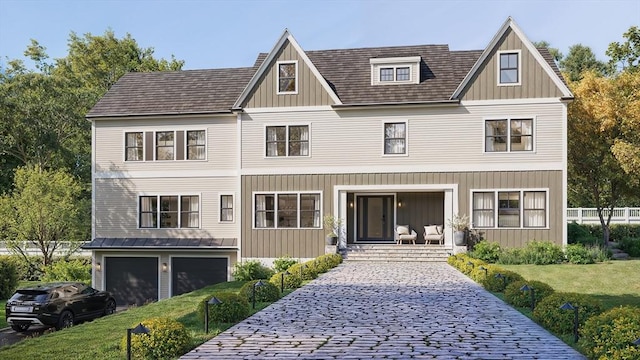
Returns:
point(173, 93)
point(511, 24)
point(265, 65)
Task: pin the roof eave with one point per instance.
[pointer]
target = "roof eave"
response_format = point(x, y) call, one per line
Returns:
point(146, 115)
point(451, 102)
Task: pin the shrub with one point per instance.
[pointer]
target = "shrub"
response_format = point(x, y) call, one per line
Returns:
point(304, 271)
point(548, 313)
point(8, 277)
point(332, 259)
point(498, 284)
point(609, 335)
point(487, 251)
point(535, 252)
point(268, 292)
point(251, 270)
point(580, 234)
point(512, 256)
point(167, 339)
point(631, 246)
point(71, 270)
point(291, 281)
point(283, 263)
point(579, 254)
point(233, 307)
point(621, 231)
point(518, 298)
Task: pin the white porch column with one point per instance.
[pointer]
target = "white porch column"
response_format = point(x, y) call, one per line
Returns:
point(342, 215)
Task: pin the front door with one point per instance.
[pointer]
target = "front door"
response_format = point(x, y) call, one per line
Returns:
point(375, 218)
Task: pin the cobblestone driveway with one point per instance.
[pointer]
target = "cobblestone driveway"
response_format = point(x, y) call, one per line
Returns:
point(387, 311)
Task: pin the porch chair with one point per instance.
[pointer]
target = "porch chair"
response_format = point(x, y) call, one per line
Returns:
point(434, 233)
point(401, 233)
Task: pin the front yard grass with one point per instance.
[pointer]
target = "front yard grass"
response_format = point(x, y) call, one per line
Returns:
point(615, 283)
point(3, 320)
point(100, 339)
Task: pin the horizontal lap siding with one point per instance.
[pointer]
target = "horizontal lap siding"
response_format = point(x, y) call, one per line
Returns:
point(271, 243)
point(116, 204)
point(221, 144)
point(436, 136)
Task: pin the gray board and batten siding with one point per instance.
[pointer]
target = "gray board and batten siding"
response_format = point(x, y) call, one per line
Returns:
point(309, 243)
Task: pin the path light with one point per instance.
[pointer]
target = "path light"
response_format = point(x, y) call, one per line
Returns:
point(301, 271)
point(486, 271)
point(504, 279)
point(257, 284)
point(140, 329)
point(282, 275)
point(213, 301)
point(568, 306)
point(470, 263)
point(528, 288)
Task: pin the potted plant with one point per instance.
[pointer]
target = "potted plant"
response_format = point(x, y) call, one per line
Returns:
point(332, 225)
point(459, 224)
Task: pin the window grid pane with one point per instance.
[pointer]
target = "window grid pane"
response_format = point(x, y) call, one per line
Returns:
point(287, 78)
point(164, 145)
point(287, 211)
point(299, 140)
point(509, 209)
point(386, 74)
point(168, 212)
point(310, 210)
point(403, 74)
point(509, 68)
point(535, 209)
point(276, 141)
point(496, 135)
point(395, 138)
point(148, 212)
point(483, 209)
point(196, 145)
point(190, 212)
point(265, 211)
point(226, 207)
point(133, 146)
point(521, 135)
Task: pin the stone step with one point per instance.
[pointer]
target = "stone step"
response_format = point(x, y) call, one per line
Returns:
point(397, 253)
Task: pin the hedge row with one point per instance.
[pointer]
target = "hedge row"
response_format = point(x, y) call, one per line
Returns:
point(603, 335)
point(539, 253)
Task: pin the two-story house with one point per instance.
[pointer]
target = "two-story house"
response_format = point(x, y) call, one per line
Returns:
point(196, 170)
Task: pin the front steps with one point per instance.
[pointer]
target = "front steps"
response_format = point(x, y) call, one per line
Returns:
point(397, 253)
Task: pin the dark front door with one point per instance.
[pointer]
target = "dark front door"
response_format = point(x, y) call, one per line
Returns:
point(190, 274)
point(375, 218)
point(132, 280)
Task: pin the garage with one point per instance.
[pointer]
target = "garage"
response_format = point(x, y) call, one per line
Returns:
point(192, 273)
point(132, 280)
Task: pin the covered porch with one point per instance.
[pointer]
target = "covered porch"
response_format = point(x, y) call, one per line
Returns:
point(370, 214)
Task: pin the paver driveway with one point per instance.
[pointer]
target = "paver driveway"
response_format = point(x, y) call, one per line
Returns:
point(387, 310)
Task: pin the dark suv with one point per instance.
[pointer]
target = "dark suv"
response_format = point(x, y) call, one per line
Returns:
point(57, 304)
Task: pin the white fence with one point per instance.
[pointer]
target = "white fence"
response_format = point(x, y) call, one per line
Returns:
point(31, 249)
point(590, 215)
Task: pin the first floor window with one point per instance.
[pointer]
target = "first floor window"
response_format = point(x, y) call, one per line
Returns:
point(226, 207)
point(169, 211)
point(395, 138)
point(164, 145)
point(509, 209)
point(196, 145)
point(503, 135)
point(287, 210)
point(133, 146)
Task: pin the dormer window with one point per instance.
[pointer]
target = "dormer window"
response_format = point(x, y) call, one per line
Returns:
point(401, 70)
point(287, 77)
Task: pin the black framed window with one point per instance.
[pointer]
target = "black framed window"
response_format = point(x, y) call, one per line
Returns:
point(226, 207)
point(134, 146)
point(196, 145)
point(287, 77)
point(165, 145)
point(509, 68)
point(395, 138)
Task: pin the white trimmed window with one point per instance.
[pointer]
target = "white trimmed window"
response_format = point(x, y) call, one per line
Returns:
point(165, 141)
point(509, 209)
point(287, 77)
point(287, 210)
point(509, 68)
point(287, 140)
point(397, 70)
point(395, 138)
point(507, 135)
point(134, 146)
point(196, 145)
point(169, 211)
point(226, 208)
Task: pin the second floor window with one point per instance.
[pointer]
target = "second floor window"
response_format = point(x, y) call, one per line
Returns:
point(196, 145)
point(164, 145)
point(508, 135)
point(226, 208)
point(287, 140)
point(133, 146)
point(395, 138)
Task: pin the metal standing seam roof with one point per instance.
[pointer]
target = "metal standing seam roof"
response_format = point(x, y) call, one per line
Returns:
point(161, 243)
point(347, 71)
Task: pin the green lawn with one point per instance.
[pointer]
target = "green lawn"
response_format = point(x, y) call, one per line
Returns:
point(615, 283)
point(3, 321)
point(100, 338)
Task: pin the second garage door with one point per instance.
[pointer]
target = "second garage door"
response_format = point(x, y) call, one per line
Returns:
point(132, 280)
point(192, 273)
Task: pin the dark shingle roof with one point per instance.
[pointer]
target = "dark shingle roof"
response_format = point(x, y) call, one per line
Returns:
point(175, 92)
point(168, 243)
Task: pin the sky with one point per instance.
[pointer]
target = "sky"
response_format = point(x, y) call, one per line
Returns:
point(222, 33)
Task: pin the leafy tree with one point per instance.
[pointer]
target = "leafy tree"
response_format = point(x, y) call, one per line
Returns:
point(595, 125)
point(555, 52)
point(580, 59)
point(44, 209)
point(625, 110)
point(627, 54)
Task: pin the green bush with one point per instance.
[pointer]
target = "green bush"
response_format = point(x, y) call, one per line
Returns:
point(167, 339)
point(71, 270)
point(535, 252)
point(268, 292)
point(291, 281)
point(498, 284)
point(332, 259)
point(251, 270)
point(304, 271)
point(8, 277)
point(283, 263)
point(610, 334)
point(518, 298)
point(631, 246)
point(486, 251)
point(511, 256)
point(548, 313)
point(621, 231)
point(581, 234)
point(579, 254)
point(233, 307)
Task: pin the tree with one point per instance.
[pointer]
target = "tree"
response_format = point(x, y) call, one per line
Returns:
point(580, 59)
point(625, 110)
point(627, 54)
point(555, 52)
point(594, 126)
point(44, 209)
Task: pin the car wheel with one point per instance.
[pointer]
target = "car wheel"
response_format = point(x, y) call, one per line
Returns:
point(20, 327)
point(110, 308)
point(65, 320)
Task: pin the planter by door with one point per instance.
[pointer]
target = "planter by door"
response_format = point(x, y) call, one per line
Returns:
point(331, 240)
point(458, 238)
